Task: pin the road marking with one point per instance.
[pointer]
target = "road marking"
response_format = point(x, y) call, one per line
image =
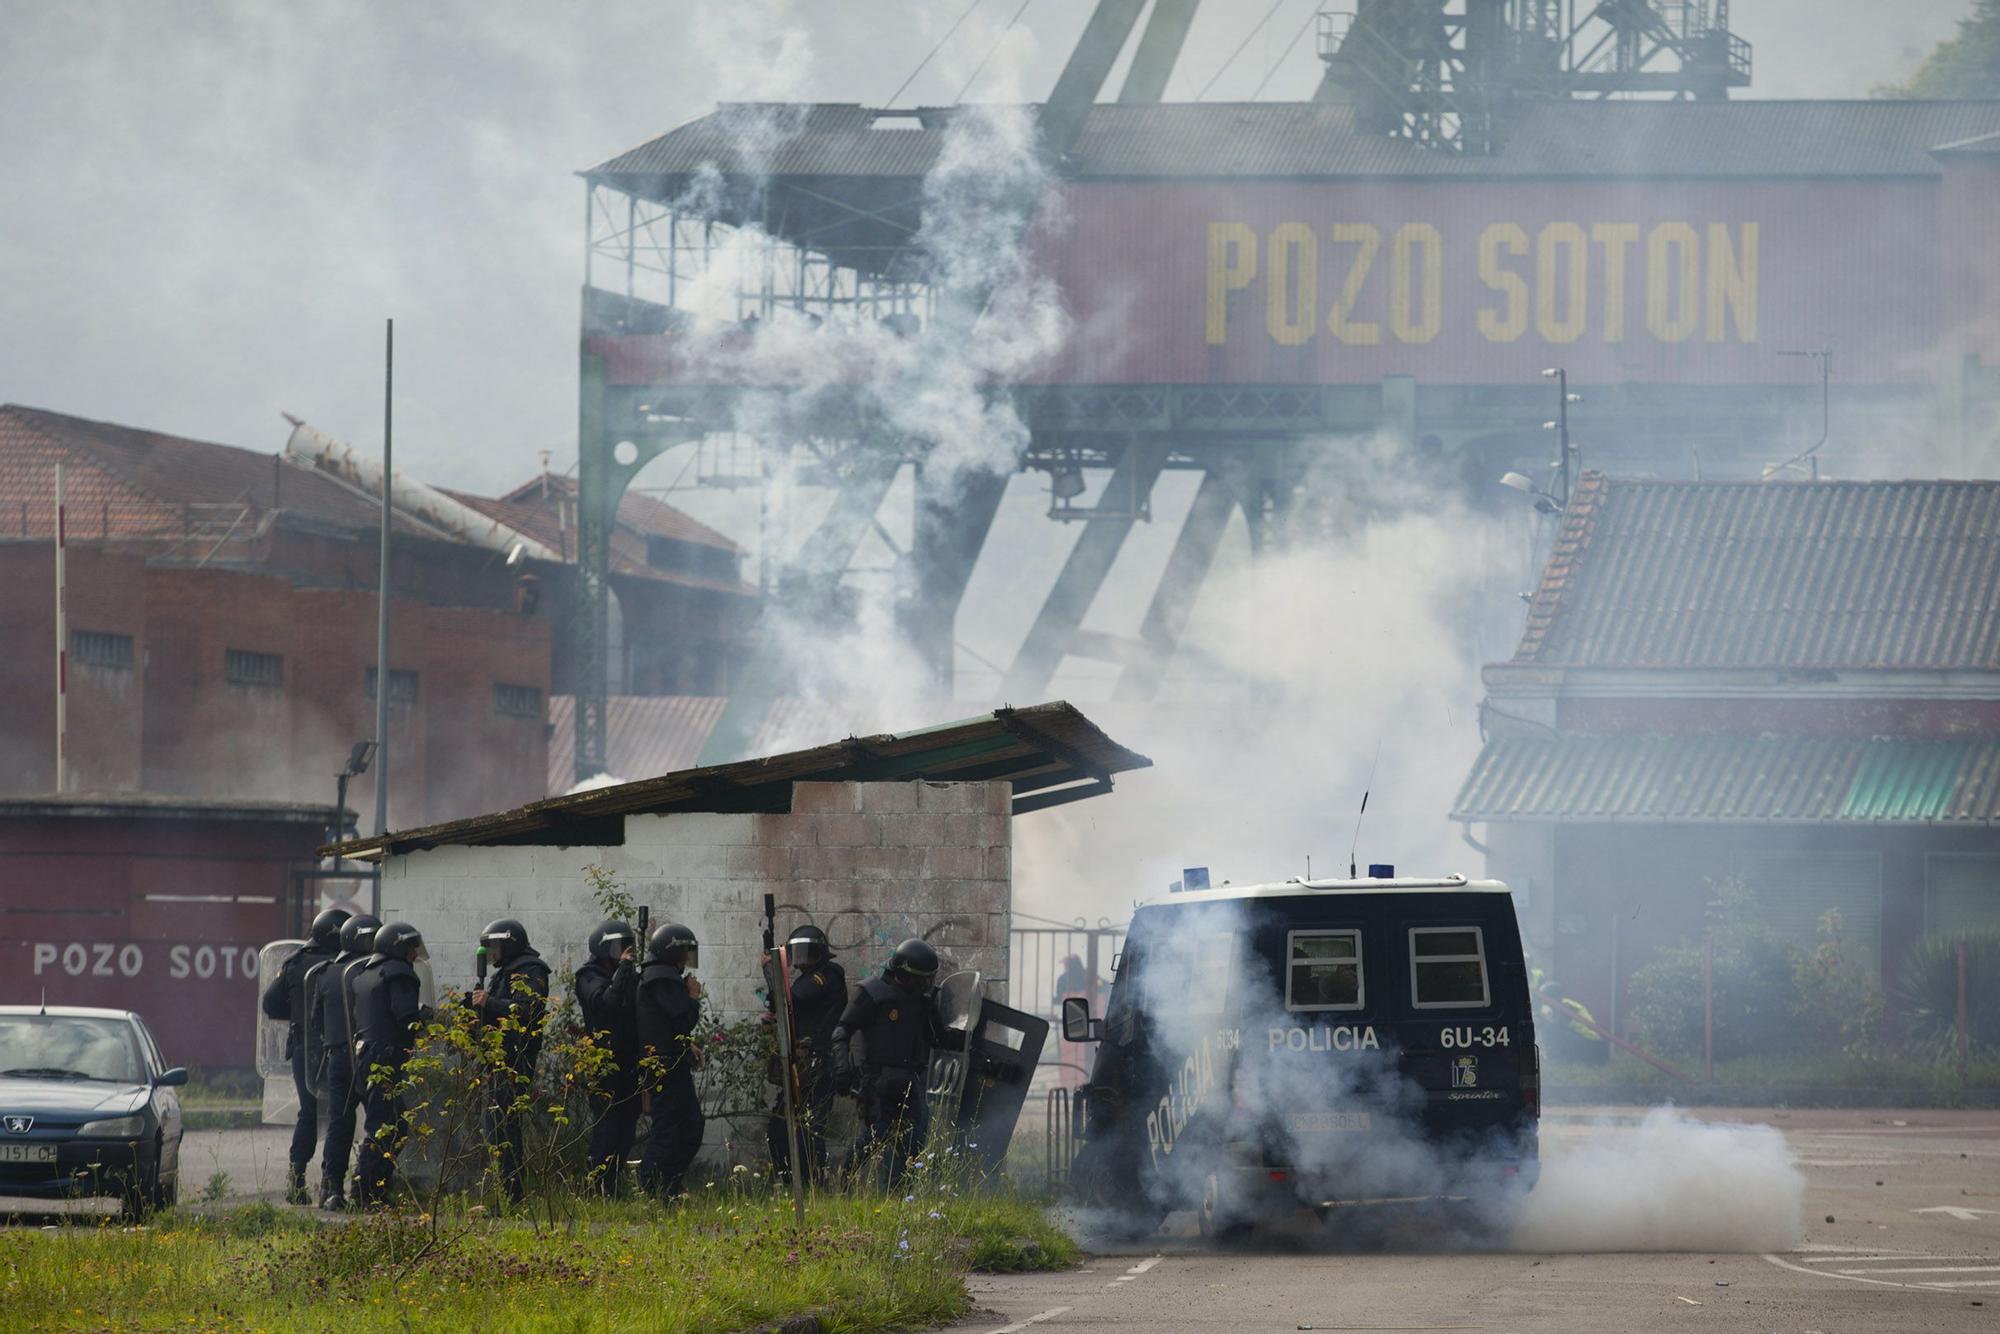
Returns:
point(1144, 1265)
point(1821, 1273)
point(1877, 1259)
point(1036, 1319)
point(1903, 1264)
point(1961, 1214)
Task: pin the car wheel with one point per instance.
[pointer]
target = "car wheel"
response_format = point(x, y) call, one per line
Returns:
point(165, 1194)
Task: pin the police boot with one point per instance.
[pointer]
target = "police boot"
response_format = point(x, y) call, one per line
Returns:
point(295, 1185)
point(330, 1196)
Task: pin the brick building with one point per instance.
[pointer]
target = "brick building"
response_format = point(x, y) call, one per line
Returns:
point(1796, 686)
point(221, 608)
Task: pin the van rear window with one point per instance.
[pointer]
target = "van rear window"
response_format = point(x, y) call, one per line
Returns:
point(1324, 971)
point(1448, 967)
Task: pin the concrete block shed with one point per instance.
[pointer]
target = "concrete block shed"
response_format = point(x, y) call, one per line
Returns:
point(875, 839)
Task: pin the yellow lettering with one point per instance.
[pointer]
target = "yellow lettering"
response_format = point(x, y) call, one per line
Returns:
point(1232, 263)
point(1614, 237)
point(1291, 304)
point(1673, 275)
point(1339, 320)
point(1732, 284)
point(1413, 237)
point(1508, 238)
point(1573, 270)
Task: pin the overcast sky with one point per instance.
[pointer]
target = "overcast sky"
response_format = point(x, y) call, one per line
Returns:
point(212, 206)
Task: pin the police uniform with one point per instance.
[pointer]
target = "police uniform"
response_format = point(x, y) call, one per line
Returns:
point(517, 991)
point(898, 1025)
point(607, 992)
point(387, 1012)
point(819, 997)
point(667, 1016)
point(331, 1056)
point(285, 999)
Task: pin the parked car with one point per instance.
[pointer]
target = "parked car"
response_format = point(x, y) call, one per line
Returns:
point(87, 1107)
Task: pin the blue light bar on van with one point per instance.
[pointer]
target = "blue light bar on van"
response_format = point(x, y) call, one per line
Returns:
point(1195, 877)
point(1381, 871)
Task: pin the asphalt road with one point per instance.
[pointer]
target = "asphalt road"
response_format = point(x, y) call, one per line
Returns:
point(1914, 1245)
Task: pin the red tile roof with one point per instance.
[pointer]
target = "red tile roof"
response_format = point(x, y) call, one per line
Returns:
point(124, 482)
point(528, 512)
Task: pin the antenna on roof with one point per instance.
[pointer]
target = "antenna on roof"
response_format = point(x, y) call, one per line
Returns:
point(1352, 847)
point(45, 1001)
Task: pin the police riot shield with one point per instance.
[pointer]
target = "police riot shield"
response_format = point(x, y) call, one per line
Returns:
point(281, 1099)
point(427, 987)
point(979, 1078)
point(959, 998)
point(1001, 1052)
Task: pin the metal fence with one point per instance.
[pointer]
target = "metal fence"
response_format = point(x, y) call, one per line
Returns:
point(1045, 964)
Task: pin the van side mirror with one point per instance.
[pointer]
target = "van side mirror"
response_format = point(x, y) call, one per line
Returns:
point(173, 1078)
point(1077, 1025)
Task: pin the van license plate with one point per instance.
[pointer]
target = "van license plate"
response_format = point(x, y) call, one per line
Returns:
point(27, 1153)
point(1310, 1122)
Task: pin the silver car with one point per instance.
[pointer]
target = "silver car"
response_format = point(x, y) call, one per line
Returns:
point(87, 1107)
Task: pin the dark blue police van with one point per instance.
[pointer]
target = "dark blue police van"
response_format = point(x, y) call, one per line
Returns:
point(1311, 1044)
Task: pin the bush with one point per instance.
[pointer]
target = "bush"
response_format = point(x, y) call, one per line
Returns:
point(1753, 985)
point(1838, 1003)
point(1927, 987)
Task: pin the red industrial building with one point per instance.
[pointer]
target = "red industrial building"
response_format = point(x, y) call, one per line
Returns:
point(1792, 685)
point(221, 608)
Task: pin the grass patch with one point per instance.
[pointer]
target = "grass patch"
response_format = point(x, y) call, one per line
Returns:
point(726, 1260)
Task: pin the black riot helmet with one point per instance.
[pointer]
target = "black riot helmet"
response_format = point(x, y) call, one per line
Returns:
point(357, 934)
point(913, 965)
point(505, 940)
point(400, 940)
point(675, 944)
point(807, 946)
point(326, 928)
point(609, 939)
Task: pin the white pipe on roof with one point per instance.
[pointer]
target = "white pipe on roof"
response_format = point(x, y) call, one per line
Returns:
point(315, 449)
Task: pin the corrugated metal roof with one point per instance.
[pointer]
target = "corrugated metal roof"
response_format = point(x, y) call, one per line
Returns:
point(1051, 753)
point(1793, 576)
point(1726, 778)
point(643, 734)
point(1293, 139)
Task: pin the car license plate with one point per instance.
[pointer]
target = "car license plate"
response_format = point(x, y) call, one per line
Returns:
point(27, 1153)
point(1321, 1122)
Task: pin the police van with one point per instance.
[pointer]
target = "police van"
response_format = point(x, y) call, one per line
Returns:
point(1310, 1044)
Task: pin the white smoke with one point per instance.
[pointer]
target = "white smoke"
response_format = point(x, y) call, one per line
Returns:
point(1670, 1184)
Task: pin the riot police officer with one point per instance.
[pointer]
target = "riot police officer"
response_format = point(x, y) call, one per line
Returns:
point(515, 1000)
point(286, 999)
point(388, 1007)
point(898, 1019)
point(669, 1007)
point(607, 991)
point(330, 1051)
point(819, 995)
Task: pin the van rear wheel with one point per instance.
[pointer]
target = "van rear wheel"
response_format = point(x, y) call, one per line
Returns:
point(1214, 1217)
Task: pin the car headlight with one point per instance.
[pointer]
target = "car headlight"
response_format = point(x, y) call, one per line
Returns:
point(118, 1127)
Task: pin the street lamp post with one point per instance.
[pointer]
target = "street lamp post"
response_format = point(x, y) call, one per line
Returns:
point(358, 760)
point(1561, 424)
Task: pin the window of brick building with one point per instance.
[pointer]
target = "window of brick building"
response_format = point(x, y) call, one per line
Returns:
point(241, 667)
point(517, 701)
point(100, 648)
point(402, 685)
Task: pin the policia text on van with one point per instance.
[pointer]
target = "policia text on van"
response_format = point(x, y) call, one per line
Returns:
point(1313, 1043)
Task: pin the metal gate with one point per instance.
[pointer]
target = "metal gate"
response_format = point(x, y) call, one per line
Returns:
point(1045, 964)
